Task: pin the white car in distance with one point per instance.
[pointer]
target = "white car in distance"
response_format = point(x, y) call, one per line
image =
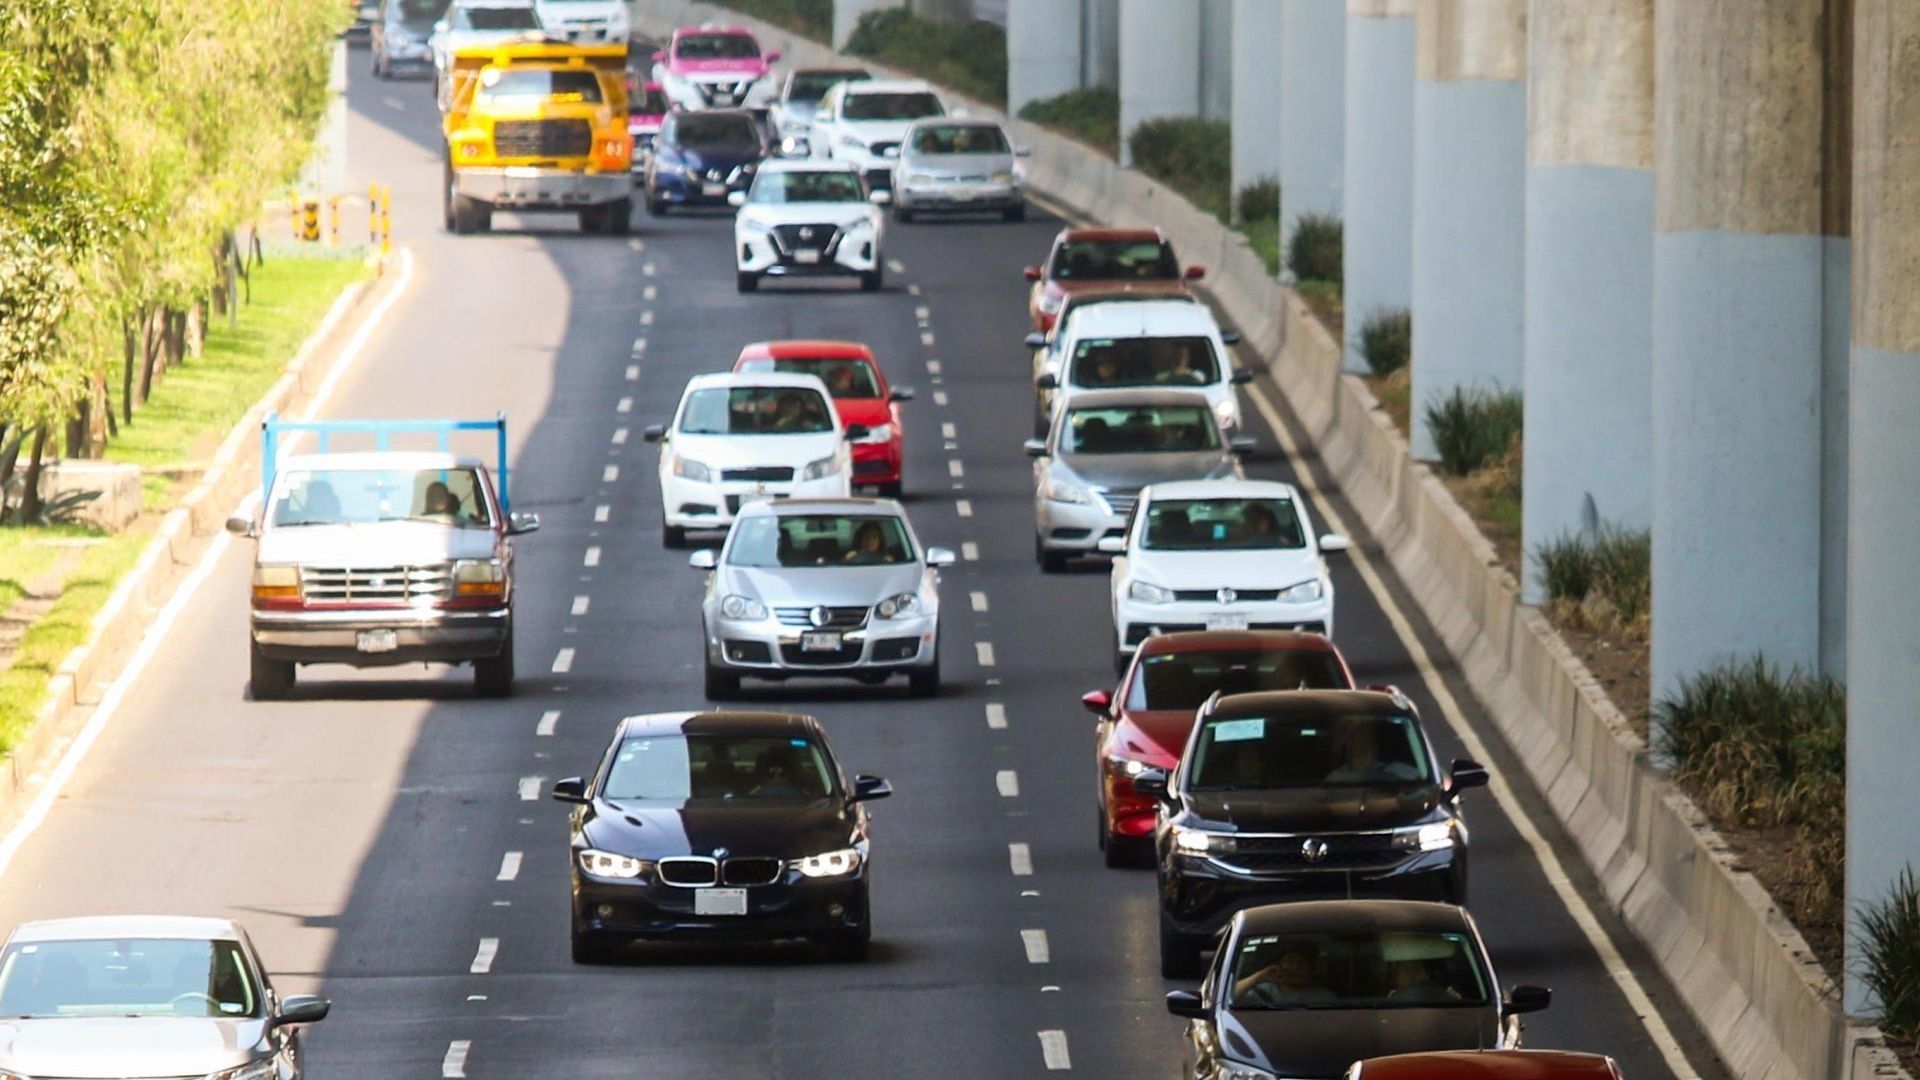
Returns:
point(862, 123)
point(1219, 555)
point(807, 219)
point(739, 437)
point(1128, 344)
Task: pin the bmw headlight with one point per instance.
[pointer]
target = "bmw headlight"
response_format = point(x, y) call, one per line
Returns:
point(1148, 593)
point(893, 607)
point(259, 1070)
point(1303, 593)
point(829, 864)
point(1435, 837)
point(606, 864)
point(1062, 492)
point(820, 470)
point(1201, 842)
point(688, 469)
point(742, 608)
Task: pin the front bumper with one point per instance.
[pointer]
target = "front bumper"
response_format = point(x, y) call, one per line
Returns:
point(1134, 620)
point(727, 92)
point(851, 252)
point(409, 57)
point(792, 907)
point(1199, 894)
point(523, 188)
point(956, 196)
point(434, 635)
point(681, 188)
point(1075, 528)
point(695, 504)
point(770, 649)
point(877, 463)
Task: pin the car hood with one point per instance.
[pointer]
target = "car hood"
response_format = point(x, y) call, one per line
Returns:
point(734, 451)
point(785, 828)
point(799, 112)
point(114, 1046)
point(834, 586)
point(1268, 569)
point(1131, 472)
point(843, 214)
point(1311, 1043)
point(961, 164)
point(726, 69)
point(726, 159)
point(1161, 730)
point(867, 412)
point(1318, 809)
point(389, 543)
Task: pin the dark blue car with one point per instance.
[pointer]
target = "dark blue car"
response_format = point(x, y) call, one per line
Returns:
point(699, 157)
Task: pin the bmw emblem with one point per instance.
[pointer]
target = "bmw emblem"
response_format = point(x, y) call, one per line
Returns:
point(819, 616)
point(1226, 596)
point(1314, 851)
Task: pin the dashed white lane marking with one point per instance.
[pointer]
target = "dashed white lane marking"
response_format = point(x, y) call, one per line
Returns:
point(933, 367)
point(602, 512)
point(455, 1063)
point(650, 292)
point(894, 266)
point(926, 338)
point(983, 652)
point(529, 788)
point(1053, 1050)
point(563, 661)
point(948, 431)
point(483, 956)
point(637, 244)
point(970, 551)
point(646, 318)
point(393, 103)
point(1036, 946)
point(922, 311)
point(581, 603)
point(1019, 860)
point(955, 469)
point(639, 347)
point(548, 720)
point(963, 507)
point(510, 867)
point(979, 600)
point(624, 405)
point(940, 398)
point(609, 474)
point(633, 372)
point(1008, 782)
point(647, 269)
point(913, 290)
point(592, 557)
point(996, 716)
point(619, 436)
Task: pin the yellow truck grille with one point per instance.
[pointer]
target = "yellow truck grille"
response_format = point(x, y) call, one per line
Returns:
point(542, 138)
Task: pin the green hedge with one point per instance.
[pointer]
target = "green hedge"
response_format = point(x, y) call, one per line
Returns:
point(808, 18)
point(1191, 155)
point(1474, 428)
point(970, 57)
point(1091, 116)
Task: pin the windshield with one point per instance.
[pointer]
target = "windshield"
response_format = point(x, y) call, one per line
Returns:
point(1114, 260)
point(495, 18)
point(1114, 363)
point(360, 496)
point(1140, 429)
point(1184, 680)
point(960, 139)
point(127, 977)
point(1359, 969)
point(813, 85)
point(716, 130)
point(415, 15)
point(1257, 753)
point(790, 540)
point(808, 186)
point(1223, 525)
point(756, 410)
point(910, 106)
point(676, 768)
point(845, 378)
point(716, 47)
point(557, 87)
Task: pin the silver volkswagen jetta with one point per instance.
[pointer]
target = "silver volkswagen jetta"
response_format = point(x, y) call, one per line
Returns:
point(1104, 447)
point(144, 996)
point(954, 164)
point(830, 587)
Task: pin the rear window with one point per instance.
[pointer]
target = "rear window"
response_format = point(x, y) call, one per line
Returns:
point(563, 87)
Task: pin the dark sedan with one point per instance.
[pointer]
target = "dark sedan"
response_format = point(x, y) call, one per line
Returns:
point(700, 157)
point(1302, 795)
point(1305, 990)
point(719, 825)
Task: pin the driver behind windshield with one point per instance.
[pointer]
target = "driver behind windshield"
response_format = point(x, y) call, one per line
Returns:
point(1289, 977)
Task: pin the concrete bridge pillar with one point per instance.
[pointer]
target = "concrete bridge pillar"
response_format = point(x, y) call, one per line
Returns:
point(1589, 271)
point(1257, 59)
point(1313, 87)
point(1216, 59)
point(1379, 163)
point(1043, 50)
point(1883, 599)
point(1100, 43)
point(1750, 314)
point(846, 15)
point(1159, 63)
point(1469, 196)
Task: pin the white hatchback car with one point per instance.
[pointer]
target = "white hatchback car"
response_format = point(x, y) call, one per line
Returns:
point(1124, 344)
point(807, 219)
point(1219, 555)
point(739, 437)
point(862, 123)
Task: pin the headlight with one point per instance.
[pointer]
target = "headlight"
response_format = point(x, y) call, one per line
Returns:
point(1050, 303)
point(606, 864)
point(1201, 842)
point(259, 1070)
point(894, 607)
point(691, 470)
point(920, 178)
point(878, 433)
point(829, 864)
point(1004, 176)
point(276, 583)
point(1233, 1071)
point(1305, 592)
point(864, 224)
point(479, 577)
point(1226, 413)
point(743, 608)
point(1149, 594)
point(820, 470)
point(1062, 492)
point(1437, 837)
point(1127, 766)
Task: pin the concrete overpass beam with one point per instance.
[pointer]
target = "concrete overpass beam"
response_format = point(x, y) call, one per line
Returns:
point(846, 15)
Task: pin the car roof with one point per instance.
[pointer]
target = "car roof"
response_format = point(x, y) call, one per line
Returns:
point(1306, 916)
point(109, 927)
point(1221, 489)
point(796, 165)
point(806, 349)
point(1155, 317)
point(730, 379)
point(1068, 236)
point(716, 722)
point(1491, 1065)
point(1250, 640)
point(957, 121)
point(422, 460)
point(1312, 703)
point(889, 86)
point(797, 507)
point(1110, 399)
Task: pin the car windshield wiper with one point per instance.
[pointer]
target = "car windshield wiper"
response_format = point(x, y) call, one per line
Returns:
point(303, 522)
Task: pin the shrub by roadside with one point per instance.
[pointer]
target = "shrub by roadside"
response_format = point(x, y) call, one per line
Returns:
point(1090, 116)
point(1604, 580)
point(1473, 428)
point(1314, 252)
point(970, 56)
point(808, 18)
point(1256, 211)
point(1386, 341)
point(1889, 938)
point(1190, 155)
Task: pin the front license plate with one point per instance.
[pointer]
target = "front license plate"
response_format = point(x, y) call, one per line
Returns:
point(522, 172)
point(961, 194)
point(720, 902)
point(806, 257)
point(377, 641)
point(1226, 622)
point(820, 641)
point(714, 189)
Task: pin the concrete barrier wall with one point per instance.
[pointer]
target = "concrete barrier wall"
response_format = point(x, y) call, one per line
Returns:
point(1742, 969)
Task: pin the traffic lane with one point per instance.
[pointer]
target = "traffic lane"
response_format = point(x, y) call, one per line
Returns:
point(1531, 934)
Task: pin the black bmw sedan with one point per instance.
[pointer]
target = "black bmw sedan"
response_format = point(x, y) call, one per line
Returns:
point(1302, 795)
point(719, 825)
point(1304, 990)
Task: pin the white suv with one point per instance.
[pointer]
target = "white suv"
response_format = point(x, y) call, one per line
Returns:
point(1127, 344)
point(863, 122)
point(807, 219)
point(739, 437)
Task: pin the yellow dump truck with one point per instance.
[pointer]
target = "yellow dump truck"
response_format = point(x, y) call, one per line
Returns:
point(538, 125)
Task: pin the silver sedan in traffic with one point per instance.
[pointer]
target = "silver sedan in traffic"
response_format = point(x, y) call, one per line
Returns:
point(954, 164)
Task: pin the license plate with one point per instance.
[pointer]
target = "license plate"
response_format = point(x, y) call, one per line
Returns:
point(820, 641)
point(961, 194)
point(714, 189)
point(1226, 622)
point(522, 172)
point(720, 902)
point(806, 256)
point(377, 641)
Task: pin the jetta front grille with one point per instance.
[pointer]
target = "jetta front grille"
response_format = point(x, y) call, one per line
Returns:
point(376, 584)
point(542, 138)
point(1240, 596)
point(837, 618)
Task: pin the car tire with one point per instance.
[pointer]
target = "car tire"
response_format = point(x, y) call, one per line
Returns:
point(619, 217)
point(901, 214)
point(1051, 562)
point(1117, 854)
point(1016, 212)
point(470, 216)
point(593, 219)
point(270, 680)
point(720, 685)
point(746, 281)
point(446, 193)
point(925, 682)
point(588, 947)
point(872, 280)
point(673, 537)
point(1179, 957)
point(891, 491)
point(493, 675)
point(656, 206)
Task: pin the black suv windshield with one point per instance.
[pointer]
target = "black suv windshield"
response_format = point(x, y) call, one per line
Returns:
point(1262, 752)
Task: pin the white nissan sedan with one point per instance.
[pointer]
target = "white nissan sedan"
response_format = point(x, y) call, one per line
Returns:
point(740, 437)
point(1219, 555)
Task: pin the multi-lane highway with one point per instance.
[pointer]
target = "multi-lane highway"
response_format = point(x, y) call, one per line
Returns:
point(386, 836)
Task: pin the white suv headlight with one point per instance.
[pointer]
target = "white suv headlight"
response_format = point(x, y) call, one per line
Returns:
point(1303, 593)
point(754, 225)
point(742, 608)
point(1148, 593)
point(820, 470)
point(852, 142)
point(829, 864)
point(688, 469)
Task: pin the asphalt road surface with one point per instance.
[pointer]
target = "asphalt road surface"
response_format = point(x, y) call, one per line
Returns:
point(387, 837)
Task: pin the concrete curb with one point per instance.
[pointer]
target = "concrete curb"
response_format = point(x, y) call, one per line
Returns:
point(1744, 972)
point(177, 544)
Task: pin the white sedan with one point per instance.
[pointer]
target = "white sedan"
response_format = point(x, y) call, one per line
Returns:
point(1219, 555)
point(807, 219)
point(740, 437)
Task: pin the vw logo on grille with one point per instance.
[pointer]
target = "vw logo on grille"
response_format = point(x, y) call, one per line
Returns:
point(820, 616)
point(806, 232)
point(1313, 850)
point(1226, 596)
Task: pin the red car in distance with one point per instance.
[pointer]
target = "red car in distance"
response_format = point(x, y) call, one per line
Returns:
point(860, 396)
point(1144, 724)
point(1100, 258)
point(1488, 1065)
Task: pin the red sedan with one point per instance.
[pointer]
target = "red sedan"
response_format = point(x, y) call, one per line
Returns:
point(1144, 724)
point(1100, 258)
point(1488, 1065)
point(860, 396)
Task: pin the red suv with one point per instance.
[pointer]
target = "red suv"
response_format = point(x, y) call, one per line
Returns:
point(1144, 724)
point(1084, 258)
point(860, 395)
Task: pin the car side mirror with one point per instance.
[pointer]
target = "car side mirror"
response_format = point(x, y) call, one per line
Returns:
point(1242, 446)
point(773, 57)
point(736, 199)
point(880, 198)
point(240, 526)
point(1035, 447)
point(704, 559)
point(868, 788)
point(1240, 376)
point(1151, 782)
point(1186, 1004)
point(571, 790)
point(1048, 381)
point(1112, 545)
point(1526, 999)
point(1466, 773)
point(939, 556)
point(1036, 340)
point(1334, 542)
point(900, 393)
point(522, 524)
point(654, 432)
point(302, 1009)
point(1230, 337)
point(1097, 702)
point(1031, 273)
point(440, 27)
point(856, 432)
point(1195, 273)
